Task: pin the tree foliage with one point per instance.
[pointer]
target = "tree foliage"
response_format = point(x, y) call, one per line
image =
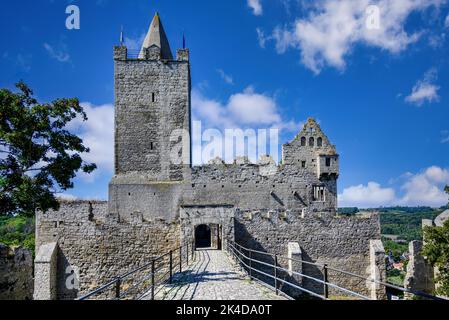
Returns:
point(436, 249)
point(39, 157)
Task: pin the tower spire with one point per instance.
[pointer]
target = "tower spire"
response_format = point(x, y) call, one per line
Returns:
point(121, 37)
point(156, 37)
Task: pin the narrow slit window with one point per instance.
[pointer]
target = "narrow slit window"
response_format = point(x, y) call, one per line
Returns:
point(328, 162)
point(153, 97)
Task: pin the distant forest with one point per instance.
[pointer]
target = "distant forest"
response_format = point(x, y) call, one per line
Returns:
point(403, 222)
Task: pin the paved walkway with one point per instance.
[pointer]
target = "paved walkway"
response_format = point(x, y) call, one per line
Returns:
point(213, 276)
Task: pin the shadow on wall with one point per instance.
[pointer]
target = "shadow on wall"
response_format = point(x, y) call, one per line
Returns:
point(245, 239)
point(67, 278)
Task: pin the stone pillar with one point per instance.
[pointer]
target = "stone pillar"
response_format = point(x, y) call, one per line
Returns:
point(419, 275)
point(214, 236)
point(294, 252)
point(45, 268)
point(377, 270)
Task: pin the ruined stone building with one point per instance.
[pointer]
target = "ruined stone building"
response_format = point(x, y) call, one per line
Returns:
point(156, 205)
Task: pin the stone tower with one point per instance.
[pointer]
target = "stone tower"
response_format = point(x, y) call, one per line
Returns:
point(152, 109)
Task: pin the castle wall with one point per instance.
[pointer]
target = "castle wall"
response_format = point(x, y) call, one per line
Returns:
point(341, 242)
point(97, 247)
point(242, 186)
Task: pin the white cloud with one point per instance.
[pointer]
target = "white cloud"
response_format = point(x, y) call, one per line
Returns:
point(60, 54)
point(424, 90)
point(332, 28)
point(246, 108)
point(426, 188)
point(226, 78)
point(98, 135)
point(422, 189)
point(369, 196)
point(256, 6)
point(446, 22)
point(66, 197)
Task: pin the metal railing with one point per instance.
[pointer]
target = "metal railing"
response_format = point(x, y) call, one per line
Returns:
point(245, 257)
point(148, 276)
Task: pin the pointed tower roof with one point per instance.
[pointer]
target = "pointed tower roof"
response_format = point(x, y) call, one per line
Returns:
point(156, 37)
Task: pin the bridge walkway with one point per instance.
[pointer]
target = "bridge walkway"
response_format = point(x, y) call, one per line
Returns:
point(214, 276)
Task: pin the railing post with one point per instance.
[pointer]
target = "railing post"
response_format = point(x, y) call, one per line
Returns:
point(187, 254)
point(250, 263)
point(153, 269)
point(276, 273)
point(193, 251)
point(180, 259)
point(171, 266)
point(325, 278)
point(118, 284)
point(241, 259)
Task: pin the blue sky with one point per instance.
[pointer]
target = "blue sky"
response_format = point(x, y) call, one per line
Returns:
point(381, 95)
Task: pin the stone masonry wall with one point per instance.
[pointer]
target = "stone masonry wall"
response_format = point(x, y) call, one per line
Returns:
point(152, 100)
point(97, 247)
point(16, 273)
point(341, 242)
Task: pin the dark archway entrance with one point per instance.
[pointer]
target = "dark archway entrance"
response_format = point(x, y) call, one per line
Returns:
point(203, 236)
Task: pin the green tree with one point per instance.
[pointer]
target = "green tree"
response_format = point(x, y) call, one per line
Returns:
point(436, 249)
point(39, 157)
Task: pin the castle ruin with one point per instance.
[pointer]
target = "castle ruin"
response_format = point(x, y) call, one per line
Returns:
point(156, 205)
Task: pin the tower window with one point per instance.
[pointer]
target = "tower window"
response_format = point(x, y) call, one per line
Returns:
point(153, 97)
point(311, 142)
point(303, 164)
point(152, 145)
point(319, 194)
point(328, 162)
point(319, 142)
point(303, 141)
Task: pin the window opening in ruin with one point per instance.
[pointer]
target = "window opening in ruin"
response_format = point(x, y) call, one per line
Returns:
point(311, 142)
point(303, 141)
point(303, 164)
point(153, 97)
point(319, 194)
point(328, 162)
point(319, 142)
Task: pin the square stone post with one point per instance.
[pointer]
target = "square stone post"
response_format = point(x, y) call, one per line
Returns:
point(45, 267)
point(377, 270)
